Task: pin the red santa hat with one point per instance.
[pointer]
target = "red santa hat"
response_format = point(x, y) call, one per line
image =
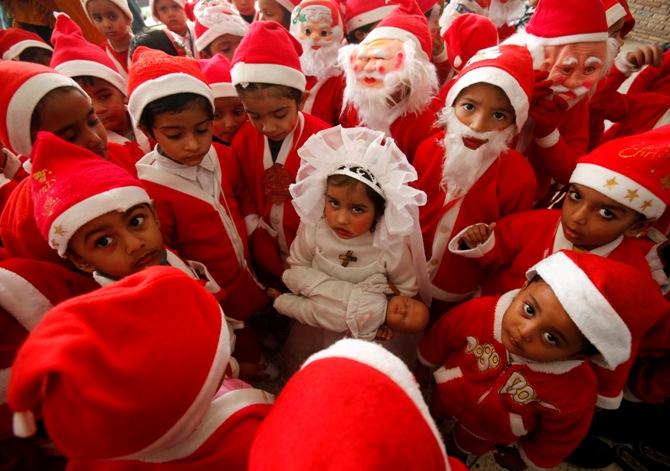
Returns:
point(466, 35)
point(405, 23)
point(364, 12)
point(154, 75)
point(268, 54)
point(217, 73)
point(608, 301)
point(214, 18)
point(25, 86)
point(154, 361)
point(508, 67)
point(13, 41)
point(559, 22)
point(634, 171)
point(74, 56)
point(121, 4)
point(154, 12)
point(617, 9)
point(327, 416)
point(71, 186)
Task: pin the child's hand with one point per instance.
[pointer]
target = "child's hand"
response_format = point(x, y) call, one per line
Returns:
point(384, 333)
point(478, 234)
point(509, 458)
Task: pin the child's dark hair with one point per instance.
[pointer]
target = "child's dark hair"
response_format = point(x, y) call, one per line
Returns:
point(35, 119)
point(282, 90)
point(154, 39)
point(173, 104)
point(378, 201)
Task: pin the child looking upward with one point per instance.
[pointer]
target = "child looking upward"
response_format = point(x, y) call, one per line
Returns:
point(267, 75)
point(114, 19)
point(173, 15)
point(516, 369)
point(219, 28)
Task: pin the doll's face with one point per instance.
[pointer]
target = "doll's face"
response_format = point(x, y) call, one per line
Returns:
point(405, 314)
point(371, 62)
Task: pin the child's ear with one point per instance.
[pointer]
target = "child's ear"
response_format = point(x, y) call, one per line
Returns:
point(639, 227)
point(305, 94)
point(80, 263)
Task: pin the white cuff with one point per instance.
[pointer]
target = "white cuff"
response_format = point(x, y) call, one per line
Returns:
point(548, 141)
point(477, 252)
point(623, 65)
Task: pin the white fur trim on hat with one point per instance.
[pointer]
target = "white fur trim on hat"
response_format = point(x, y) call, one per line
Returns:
point(375, 356)
point(14, 51)
point(620, 188)
point(22, 105)
point(593, 315)
point(287, 5)
point(501, 79)
point(369, 17)
point(243, 73)
point(571, 39)
point(163, 86)
point(614, 14)
point(78, 68)
point(223, 90)
point(391, 32)
point(121, 4)
point(69, 221)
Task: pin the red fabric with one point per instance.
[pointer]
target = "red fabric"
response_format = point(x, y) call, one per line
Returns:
point(466, 35)
point(12, 36)
point(507, 187)
point(555, 19)
point(409, 18)
point(489, 387)
point(327, 104)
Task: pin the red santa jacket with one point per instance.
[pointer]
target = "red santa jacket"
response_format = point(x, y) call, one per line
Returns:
point(507, 187)
point(546, 407)
point(252, 151)
point(325, 98)
point(18, 231)
point(210, 231)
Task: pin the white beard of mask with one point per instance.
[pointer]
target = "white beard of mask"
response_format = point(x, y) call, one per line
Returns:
point(462, 166)
point(320, 63)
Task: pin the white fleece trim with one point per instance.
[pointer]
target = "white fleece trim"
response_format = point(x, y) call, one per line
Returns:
point(391, 32)
point(572, 39)
point(163, 86)
point(593, 315)
point(223, 90)
point(368, 17)
point(5, 374)
point(16, 49)
point(243, 74)
point(23, 103)
point(477, 252)
point(609, 403)
point(387, 364)
point(503, 80)
point(550, 140)
point(597, 177)
point(614, 14)
point(78, 68)
point(22, 300)
point(69, 221)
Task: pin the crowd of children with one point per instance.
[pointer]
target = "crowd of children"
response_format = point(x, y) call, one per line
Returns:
point(247, 195)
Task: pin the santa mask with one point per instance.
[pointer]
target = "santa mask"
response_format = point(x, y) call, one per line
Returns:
point(320, 40)
point(575, 68)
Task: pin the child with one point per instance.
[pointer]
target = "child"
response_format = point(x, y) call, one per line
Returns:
point(93, 70)
point(229, 114)
point(152, 392)
point(172, 14)
point(22, 45)
point(266, 73)
point(114, 19)
point(358, 215)
point(277, 10)
point(514, 369)
point(36, 98)
point(219, 28)
point(477, 172)
point(615, 193)
point(199, 217)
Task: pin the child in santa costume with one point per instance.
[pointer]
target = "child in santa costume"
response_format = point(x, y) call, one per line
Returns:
point(38, 98)
point(358, 218)
point(390, 81)
point(318, 25)
point(267, 75)
point(199, 216)
point(113, 19)
point(476, 172)
point(93, 70)
point(327, 418)
point(517, 368)
point(616, 192)
point(173, 14)
point(22, 45)
point(277, 10)
point(219, 28)
point(152, 394)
